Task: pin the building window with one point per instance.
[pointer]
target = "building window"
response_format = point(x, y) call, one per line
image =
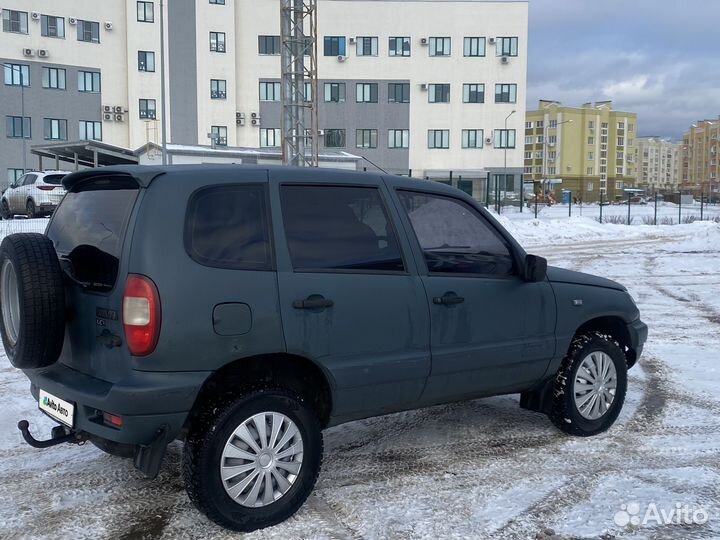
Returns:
point(540, 124)
point(398, 138)
point(145, 12)
point(398, 92)
point(589, 173)
point(528, 125)
point(88, 81)
point(631, 128)
point(335, 92)
point(438, 138)
point(268, 44)
point(540, 139)
point(270, 137)
point(473, 93)
point(366, 93)
point(269, 91)
point(334, 138)
point(147, 109)
point(438, 93)
point(552, 124)
point(619, 185)
point(507, 93)
point(53, 78)
point(539, 155)
point(591, 140)
point(366, 138)
point(218, 2)
point(366, 46)
point(17, 74)
point(439, 46)
point(18, 127)
point(589, 185)
point(591, 124)
point(307, 91)
point(399, 46)
point(472, 138)
point(146, 61)
point(506, 46)
point(90, 130)
point(552, 139)
point(528, 155)
point(474, 46)
point(621, 125)
point(217, 42)
point(528, 139)
point(334, 46)
point(621, 141)
point(504, 138)
point(591, 156)
point(52, 26)
point(218, 89)
point(55, 129)
point(218, 134)
point(88, 31)
point(552, 170)
point(552, 154)
point(13, 175)
point(15, 21)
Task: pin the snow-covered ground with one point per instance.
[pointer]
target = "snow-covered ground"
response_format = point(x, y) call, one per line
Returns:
point(482, 469)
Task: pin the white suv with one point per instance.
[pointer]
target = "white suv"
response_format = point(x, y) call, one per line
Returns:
point(33, 194)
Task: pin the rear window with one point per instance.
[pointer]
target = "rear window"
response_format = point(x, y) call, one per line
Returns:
point(54, 179)
point(89, 226)
point(228, 227)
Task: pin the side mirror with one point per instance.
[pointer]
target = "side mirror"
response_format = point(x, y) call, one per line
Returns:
point(535, 268)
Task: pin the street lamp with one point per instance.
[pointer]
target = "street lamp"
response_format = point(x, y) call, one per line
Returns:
point(505, 148)
point(22, 107)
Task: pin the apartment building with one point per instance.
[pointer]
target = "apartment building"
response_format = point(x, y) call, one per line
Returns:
point(588, 150)
point(700, 157)
point(431, 86)
point(660, 163)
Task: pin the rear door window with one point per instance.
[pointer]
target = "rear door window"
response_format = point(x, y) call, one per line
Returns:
point(339, 228)
point(88, 228)
point(228, 226)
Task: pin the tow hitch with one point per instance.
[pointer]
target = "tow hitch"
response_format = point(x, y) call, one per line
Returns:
point(58, 435)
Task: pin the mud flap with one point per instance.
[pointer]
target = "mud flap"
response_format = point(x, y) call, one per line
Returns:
point(540, 399)
point(148, 458)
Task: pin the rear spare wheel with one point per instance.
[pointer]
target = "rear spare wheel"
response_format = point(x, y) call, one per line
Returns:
point(32, 300)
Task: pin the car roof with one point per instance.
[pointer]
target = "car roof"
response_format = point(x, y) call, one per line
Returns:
point(146, 174)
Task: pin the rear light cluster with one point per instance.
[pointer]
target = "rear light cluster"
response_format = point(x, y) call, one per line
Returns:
point(112, 419)
point(46, 188)
point(141, 315)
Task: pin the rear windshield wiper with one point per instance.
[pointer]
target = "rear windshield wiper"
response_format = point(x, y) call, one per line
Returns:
point(68, 268)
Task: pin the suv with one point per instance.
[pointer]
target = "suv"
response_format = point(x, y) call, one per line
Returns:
point(33, 194)
point(243, 309)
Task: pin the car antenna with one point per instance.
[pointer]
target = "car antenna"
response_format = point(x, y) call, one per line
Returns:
point(374, 164)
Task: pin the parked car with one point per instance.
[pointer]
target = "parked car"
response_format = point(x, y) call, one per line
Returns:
point(243, 309)
point(34, 194)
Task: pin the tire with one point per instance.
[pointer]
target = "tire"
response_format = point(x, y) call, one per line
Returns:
point(203, 460)
point(32, 300)
point(574, 410)
point(5, 210)
point(30, 209)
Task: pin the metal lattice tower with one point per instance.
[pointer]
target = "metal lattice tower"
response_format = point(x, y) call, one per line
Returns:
point(298, 57)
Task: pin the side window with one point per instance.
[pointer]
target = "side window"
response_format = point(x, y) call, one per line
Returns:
point(454, 237)
point(30, 179)
point(339, 228)
point(227, 227)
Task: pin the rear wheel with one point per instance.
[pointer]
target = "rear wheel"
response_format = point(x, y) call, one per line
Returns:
point(253, 462)
point(590, 386)
point(30, 209)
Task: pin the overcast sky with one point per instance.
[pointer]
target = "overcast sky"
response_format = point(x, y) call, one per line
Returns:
point(659, 58)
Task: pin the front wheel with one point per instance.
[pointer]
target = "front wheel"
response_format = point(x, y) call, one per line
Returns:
point(590, 386)
point(254, 461)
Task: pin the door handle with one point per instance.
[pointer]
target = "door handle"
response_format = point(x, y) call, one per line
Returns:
point(313, 302)
point(448, 299)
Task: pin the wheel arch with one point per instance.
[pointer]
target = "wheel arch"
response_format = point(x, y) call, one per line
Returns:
point(615, 327)
point(292, 372)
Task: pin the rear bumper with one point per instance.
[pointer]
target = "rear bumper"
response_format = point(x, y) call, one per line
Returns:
point(146, 401)
point(638, 332)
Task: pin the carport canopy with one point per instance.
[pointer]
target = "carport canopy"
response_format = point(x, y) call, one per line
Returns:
point(84, 153)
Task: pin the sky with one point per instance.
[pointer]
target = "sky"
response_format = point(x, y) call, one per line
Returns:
point(658, 58)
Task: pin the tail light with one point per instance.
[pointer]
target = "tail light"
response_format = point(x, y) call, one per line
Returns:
point(141, 315)
point(46, 188)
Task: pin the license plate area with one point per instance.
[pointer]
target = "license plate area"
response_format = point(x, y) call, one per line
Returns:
point(56, 408)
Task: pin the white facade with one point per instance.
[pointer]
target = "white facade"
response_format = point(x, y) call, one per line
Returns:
point(660, 164)
point(188, 58)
